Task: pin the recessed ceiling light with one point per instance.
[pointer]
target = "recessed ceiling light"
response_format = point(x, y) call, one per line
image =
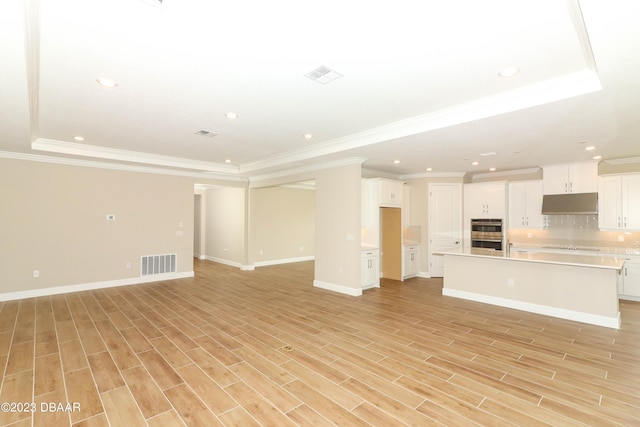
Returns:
point(227, 161)
point(429, 169)
point(590, 148)
point(509, 71)
point(307, 136)
point(492, 169)
point(596, 157)
point(396, 161)
point(78, 138)
point(231, 115)
point(475, 163)
point(106, 82)
point(488, 154)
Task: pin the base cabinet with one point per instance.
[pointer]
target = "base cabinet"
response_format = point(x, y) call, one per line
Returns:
point(370, 272)
point(630, 283)
point(410, 261)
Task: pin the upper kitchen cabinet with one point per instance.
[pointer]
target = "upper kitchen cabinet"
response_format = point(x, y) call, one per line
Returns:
point(485, 200)
point(525, 204)
point(619, 202)
point(571, 178)
point(390, 192)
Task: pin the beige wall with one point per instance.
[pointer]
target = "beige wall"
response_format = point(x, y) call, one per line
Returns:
point(53, 219)
point(338, 228)
point(225, 235)
point(282, 224)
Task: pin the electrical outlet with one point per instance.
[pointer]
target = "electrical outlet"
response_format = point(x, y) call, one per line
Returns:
point(36, 273)
point(510, 281)
point(621, 238)
point(301, 248)
point(111, 217)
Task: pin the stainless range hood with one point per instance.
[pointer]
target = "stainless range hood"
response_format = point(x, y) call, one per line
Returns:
point(570, 204)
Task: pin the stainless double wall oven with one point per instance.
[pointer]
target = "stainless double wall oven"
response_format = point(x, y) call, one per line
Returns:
point(487, 233)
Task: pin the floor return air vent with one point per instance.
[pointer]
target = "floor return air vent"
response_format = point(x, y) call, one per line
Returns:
point(158, 264)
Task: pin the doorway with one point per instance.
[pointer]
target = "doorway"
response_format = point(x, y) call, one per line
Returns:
point(391, 243)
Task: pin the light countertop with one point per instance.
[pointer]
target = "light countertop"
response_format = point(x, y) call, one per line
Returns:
point(590, 261)
point(586, 250)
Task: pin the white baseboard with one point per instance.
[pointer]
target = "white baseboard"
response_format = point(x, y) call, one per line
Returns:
point(356, 292)
point(33, 293)
point(593, 319)
point(424, 275)
point(223, 261)
point(283, 261)
point(251, 267)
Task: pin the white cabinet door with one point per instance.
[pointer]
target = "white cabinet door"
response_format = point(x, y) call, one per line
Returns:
point(534, 217)
point(572, 178)
point(370, 273)
point(610, 203)
point(517, 204)
point(525, 204)
point(555, 179)
point(619, 202)
point(485, 200)
point(411, 261)
point(631, 202)
point(631, 273)
point(391, 193)
point(583, 177)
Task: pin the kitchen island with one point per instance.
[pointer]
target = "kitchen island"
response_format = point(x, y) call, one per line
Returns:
point(575, 287)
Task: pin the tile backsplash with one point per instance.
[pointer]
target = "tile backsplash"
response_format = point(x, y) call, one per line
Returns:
point(574, 230)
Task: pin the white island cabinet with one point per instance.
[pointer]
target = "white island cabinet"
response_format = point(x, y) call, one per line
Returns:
point(630, 283)
point(574, 287)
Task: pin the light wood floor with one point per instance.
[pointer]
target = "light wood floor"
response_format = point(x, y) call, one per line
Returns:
point(265, 347)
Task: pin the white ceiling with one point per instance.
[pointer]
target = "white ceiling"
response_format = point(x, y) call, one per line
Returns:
point(420, 82)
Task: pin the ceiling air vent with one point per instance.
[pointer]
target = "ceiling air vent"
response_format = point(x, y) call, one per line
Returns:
point(155, 3)
point(323, 75)
point(208, 133)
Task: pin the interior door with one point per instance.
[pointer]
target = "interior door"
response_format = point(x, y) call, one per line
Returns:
point(445, 223)
point(391, 243)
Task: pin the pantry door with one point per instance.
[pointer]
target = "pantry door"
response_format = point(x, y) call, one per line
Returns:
point(445, 223)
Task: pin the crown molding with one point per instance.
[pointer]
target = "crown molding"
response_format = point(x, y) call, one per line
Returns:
point(506, 173)
point(434, 175)
point(623, 161)
point(117, 166)
point(253, 180)
point(75, 149)
point(371, 173)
